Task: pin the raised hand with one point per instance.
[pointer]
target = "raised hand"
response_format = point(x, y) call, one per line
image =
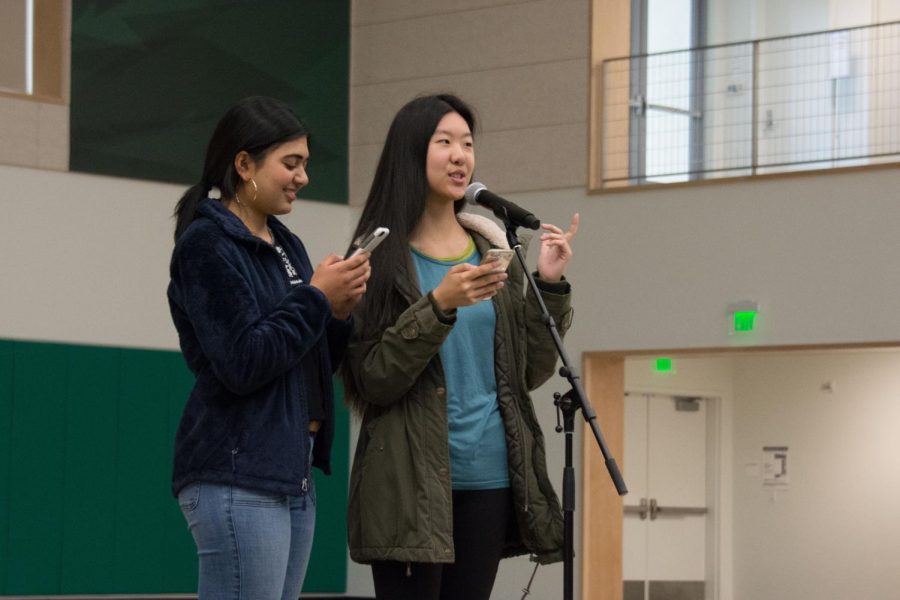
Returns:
point(556, 251)
point(466, 284)
point(342, 281)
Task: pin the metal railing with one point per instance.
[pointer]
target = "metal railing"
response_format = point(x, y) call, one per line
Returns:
point(813, 101)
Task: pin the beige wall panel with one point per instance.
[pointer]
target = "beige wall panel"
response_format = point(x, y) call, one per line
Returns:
point(537, 158)
point(519, 97)
point(533, 159)
point(363, 160)
point(53, 137)
point(367, 12)
point(490, 38)
point(18, 131)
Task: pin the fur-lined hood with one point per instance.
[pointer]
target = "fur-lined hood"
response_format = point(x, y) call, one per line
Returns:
point(489, 230)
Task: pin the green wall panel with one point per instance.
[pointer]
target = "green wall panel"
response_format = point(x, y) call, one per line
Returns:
point(151, 79)
point(86, 437)
point(36, 470)
point(142, 483)
point(88, 528)
point(6, 394)
point(327, 569)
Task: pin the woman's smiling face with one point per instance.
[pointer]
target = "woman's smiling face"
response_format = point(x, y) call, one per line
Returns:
point(450, 159)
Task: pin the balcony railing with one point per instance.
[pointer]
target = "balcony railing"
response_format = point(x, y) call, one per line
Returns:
point(814, 101)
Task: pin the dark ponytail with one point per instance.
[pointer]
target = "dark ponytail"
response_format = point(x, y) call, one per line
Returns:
point(186, 209)
point(255, 125)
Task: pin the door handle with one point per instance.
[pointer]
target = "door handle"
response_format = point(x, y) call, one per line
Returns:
point(656, 509)
point(650, 507)
point(641, 509)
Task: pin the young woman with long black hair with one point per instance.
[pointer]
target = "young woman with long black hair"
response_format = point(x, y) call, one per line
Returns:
point(449, 474)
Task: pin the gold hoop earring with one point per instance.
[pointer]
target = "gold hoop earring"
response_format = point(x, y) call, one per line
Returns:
point(255, 190)
point(237, 198)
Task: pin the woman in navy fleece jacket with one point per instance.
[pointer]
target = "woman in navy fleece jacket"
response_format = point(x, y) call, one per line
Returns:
point(262, 332)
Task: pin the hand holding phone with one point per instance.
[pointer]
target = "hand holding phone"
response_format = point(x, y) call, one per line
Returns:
point(371, 241)
point(500, 256)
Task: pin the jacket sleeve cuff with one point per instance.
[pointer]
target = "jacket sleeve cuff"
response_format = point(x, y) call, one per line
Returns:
point(448, 317)
point(560, 287)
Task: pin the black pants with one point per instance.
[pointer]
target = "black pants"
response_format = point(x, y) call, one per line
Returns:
point(481, 520)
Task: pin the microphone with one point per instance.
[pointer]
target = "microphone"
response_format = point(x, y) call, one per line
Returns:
point(505, 210)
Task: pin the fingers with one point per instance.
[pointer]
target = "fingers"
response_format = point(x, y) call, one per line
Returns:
point(356, 261)
point(569, 234)
point(573, 227)
point(461, 268)
point(330, 260)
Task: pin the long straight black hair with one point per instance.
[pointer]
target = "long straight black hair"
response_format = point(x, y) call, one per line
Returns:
point(397, 200)
point(256, 125)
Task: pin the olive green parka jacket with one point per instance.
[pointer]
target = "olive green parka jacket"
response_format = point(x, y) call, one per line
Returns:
point(400, 505)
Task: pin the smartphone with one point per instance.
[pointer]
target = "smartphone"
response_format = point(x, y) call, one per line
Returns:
point(500, 256)
point(371, 241)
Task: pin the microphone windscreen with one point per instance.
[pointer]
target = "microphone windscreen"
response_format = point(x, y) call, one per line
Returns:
point(472, 192)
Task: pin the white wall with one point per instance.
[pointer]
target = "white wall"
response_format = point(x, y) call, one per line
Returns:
point(830, 533)
point(658, 269)
point(834, 533)
point(84, 258)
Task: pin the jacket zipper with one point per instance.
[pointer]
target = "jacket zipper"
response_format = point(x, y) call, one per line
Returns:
point(234, 452)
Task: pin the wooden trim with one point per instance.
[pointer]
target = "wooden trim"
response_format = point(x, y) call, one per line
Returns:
point(33, 98)
point(612, 354)
point(743, 178)
point(50, 77)
point(50, 17)
point(610, 37)
point(601, 553)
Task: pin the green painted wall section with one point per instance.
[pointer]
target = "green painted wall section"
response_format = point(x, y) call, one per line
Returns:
point(151, 79)
point(86, 437)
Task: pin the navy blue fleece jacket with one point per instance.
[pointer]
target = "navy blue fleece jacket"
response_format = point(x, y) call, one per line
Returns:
point(246, 333)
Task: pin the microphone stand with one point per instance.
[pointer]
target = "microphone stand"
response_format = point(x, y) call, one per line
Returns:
point(567, 404)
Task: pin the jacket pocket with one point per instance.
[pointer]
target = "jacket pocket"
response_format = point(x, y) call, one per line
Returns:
point(388, 490)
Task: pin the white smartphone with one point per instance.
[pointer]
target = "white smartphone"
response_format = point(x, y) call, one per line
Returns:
point(371, 241)
point(500, 256)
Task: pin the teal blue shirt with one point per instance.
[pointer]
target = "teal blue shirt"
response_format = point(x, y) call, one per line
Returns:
point(477, 435)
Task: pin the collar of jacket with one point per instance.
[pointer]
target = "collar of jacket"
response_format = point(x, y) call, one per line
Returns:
point(485, 227)
point(490, 230)
point(229, 222)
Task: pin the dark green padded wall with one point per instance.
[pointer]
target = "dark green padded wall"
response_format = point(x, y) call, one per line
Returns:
point(151, 79)
point(86, 439)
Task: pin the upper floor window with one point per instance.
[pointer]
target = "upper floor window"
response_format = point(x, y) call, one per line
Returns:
point(676, 110)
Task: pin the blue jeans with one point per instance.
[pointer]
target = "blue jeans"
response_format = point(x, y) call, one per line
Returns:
point(251, 545)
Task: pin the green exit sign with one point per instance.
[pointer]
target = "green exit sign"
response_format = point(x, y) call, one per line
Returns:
point(744, 320)
point(664, 365)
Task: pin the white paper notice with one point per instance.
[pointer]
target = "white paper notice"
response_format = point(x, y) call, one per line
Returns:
point(774, 466)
